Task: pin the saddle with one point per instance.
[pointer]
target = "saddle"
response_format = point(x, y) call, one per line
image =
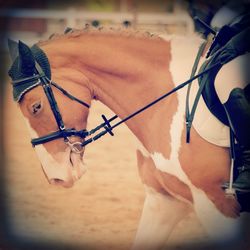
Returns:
point(229, 43)
point(238, 45)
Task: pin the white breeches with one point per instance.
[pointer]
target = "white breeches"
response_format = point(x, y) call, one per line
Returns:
point(235, 74)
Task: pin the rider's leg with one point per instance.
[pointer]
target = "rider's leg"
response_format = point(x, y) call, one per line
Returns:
point(238, 111)
point(235, 97)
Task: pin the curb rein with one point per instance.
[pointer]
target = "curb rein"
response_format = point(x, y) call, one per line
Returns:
point(65, 133)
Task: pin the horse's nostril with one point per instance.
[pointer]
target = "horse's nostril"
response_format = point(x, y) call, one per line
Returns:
point(60, 182)
point(57, 181)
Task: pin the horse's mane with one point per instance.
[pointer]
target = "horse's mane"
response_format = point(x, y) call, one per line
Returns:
point(126, 32)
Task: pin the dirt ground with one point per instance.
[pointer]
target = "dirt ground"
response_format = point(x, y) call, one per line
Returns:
point(101, 211)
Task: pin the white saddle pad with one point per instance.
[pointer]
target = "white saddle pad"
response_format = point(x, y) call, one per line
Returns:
point(206, 124)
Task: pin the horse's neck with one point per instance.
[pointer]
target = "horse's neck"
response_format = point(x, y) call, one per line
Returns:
point(126, 74)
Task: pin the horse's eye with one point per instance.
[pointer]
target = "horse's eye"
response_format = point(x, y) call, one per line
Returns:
point(36, 108)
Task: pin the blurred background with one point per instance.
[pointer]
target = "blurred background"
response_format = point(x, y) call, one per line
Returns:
point(102, 210)
point(46, 17)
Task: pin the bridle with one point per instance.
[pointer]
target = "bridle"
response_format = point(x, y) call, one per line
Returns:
point(66, 133)
point(40, 78)
point(62, 131)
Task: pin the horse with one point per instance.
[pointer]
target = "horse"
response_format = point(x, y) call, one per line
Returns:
point(125, 71)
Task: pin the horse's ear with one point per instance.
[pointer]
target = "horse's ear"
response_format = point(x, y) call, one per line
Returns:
point(26, 59)
point(13, 49)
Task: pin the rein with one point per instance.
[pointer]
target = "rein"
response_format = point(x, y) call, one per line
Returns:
point(108, 127)
point(66, 133)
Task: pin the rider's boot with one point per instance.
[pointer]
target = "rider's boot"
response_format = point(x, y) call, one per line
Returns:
point(238, 112)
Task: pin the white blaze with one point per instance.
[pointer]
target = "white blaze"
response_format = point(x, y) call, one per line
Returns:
point(59, 166)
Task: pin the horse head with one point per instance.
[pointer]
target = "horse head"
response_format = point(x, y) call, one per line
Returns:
point(50, 113)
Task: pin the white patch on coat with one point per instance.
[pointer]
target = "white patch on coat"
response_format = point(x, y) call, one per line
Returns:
point(210, 217)
point(160, 215)
point(184, 51)
point(216, 224)
point(55, 169)
point(146, 154)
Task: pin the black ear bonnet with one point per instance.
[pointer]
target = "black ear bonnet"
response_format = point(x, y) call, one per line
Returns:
point(25, 67)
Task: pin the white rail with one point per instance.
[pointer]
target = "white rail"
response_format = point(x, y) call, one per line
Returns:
point(154, 22)
point(71, 16)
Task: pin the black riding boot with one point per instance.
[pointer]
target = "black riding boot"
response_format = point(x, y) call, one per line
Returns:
point(238, 112)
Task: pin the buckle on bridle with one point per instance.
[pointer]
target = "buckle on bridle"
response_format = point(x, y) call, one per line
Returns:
point(75, 147)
